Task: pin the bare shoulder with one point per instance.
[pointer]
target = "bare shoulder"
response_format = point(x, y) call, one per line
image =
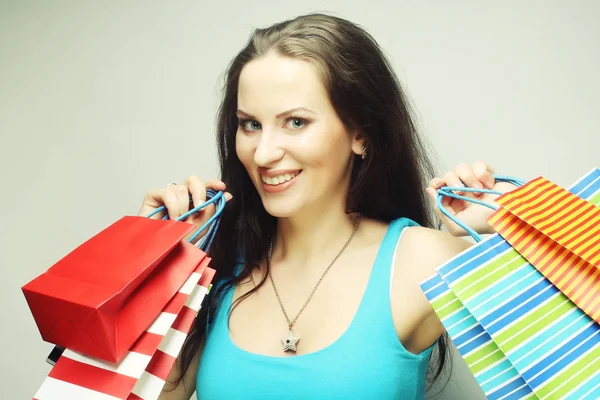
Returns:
point(420, 251)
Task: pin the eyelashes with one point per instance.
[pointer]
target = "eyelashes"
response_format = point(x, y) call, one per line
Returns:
point(303, 122)
point(245, 123)
point(291, 123)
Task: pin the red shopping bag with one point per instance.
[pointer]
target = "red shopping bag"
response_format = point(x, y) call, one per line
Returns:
point(143, 372)
point(103, 295)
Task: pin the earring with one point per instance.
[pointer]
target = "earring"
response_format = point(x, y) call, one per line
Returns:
point(364, 152)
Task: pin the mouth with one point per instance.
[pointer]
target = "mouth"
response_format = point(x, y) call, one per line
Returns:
point(280, 182)
point(279, 179)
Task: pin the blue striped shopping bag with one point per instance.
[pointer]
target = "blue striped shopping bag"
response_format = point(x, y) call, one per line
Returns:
point(521, 337)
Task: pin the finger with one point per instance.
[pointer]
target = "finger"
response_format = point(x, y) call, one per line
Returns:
point(183, 199)
point(432, 193)
point(452, 179)
point(436, 183)
point(446, 201)
point(197, 188)
point(448, 204)
point(171, 202)
point(484, 174)
point(467, 176)
point(152, 200)
point(176, 199)
point(215, 184)
point(458, 206)
point(228, 196)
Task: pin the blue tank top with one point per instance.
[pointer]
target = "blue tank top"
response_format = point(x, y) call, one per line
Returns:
point(366, 362)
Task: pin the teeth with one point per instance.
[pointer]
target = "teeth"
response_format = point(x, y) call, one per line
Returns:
point(278, 180)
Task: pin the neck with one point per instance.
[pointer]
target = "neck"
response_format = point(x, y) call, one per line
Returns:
point(304, 239)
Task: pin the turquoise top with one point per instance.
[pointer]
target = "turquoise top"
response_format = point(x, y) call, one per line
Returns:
point(366, 362)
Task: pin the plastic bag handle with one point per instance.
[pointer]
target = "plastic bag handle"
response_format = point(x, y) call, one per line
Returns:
point(212, 223)
point(448, 191)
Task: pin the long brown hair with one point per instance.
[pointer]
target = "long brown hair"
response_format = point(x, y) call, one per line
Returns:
point(367, 96)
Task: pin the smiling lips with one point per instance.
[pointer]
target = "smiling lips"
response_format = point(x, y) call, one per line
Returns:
point(275, 182)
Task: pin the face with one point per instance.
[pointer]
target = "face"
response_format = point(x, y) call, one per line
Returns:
point(290, 140)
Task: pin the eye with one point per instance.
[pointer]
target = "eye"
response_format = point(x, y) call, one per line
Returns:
point(250, 125)
point(296, 123)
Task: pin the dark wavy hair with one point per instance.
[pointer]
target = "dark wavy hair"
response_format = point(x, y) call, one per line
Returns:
point(367, 97)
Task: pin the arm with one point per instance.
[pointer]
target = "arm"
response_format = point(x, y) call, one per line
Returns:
point(187, 386)
point(420, 252)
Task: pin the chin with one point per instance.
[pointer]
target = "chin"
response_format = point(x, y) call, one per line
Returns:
point(280, 208)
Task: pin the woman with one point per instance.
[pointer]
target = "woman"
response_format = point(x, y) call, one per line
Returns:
point(326, 235)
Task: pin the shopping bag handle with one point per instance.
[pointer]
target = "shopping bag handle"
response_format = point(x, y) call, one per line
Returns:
point(213, 222)
point(204, 243)
point(448, 191)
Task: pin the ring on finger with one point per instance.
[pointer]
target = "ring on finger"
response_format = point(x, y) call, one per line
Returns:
point(171, 184)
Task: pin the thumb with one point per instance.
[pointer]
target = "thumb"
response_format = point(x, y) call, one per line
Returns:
point(432, 193)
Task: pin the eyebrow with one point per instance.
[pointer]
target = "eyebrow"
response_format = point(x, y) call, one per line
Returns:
point(278, 116)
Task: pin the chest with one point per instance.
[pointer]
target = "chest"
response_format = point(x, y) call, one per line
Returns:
point(320, 315)
point(348, 348)
point(364, 373)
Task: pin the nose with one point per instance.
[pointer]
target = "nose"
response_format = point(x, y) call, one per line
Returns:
point(268, 150)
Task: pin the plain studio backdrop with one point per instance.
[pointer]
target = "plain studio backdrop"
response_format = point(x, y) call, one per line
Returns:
point(101, 101)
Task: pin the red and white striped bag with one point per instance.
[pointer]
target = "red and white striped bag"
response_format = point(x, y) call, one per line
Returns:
point(142, 374)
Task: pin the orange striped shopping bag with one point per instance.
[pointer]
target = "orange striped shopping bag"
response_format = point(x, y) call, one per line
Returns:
point(559, 233)
point(143, 372)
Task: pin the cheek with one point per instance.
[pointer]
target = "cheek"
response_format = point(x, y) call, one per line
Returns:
point(329, 149)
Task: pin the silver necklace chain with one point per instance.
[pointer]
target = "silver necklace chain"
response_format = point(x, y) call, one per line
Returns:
point(270, 254)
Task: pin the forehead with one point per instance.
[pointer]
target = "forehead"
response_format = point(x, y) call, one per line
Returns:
point(274, 83)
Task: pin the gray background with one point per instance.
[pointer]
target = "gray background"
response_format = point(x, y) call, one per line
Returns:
point(101, 101)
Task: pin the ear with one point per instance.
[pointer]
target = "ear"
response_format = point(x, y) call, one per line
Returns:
point(358, 141)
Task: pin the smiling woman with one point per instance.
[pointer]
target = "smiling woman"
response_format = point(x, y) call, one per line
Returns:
point(327, 233)
point(296, 157)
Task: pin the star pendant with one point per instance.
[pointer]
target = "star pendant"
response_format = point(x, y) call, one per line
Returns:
point(289, 342)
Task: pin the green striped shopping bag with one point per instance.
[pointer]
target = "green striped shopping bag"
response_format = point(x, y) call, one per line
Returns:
point(520, 336)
